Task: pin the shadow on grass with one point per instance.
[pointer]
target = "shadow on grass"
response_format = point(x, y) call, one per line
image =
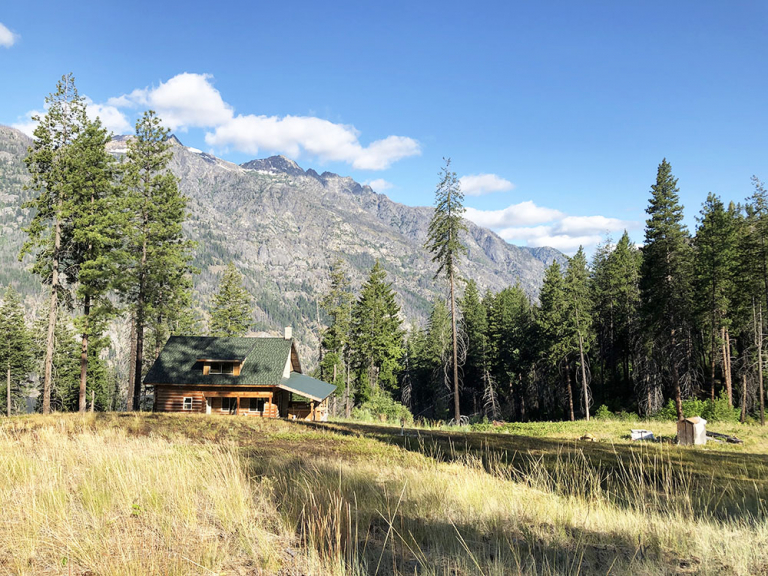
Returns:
point(705, 484)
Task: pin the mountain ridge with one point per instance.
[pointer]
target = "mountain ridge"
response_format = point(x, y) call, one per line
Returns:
point(283, 226)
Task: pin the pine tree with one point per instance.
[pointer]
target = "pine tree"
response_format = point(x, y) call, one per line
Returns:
point(377, 336)
point(714, 266)
point(579, 317)
point(156, 265)
point(16, 359)
point(444, 241)
point(232, 311)
point(665, 278)
point(553, 327)
point(616, 299)
point(50, 166)
point(474, 334)
point(509, 334)
point(92, 218)
point(337, 304)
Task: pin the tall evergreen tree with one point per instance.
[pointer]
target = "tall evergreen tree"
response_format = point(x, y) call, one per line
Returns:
point(444, 241)
point(666, 278)
point(16, 350)
point(50, 164)
point(616, 299)
point(157, 258)
point(474, 334)
point(232, 311)
point(92, 224)
point(553, 326)
point(377, 336)
point(337, 304)
point(579, 317)
point(714, 266)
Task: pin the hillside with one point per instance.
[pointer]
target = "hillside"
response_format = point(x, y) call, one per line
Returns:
point(283, 226)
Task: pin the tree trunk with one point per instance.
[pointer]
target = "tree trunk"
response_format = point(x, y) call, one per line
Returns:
point(712, 363)
point(584, 387)
point(84, 354)
point(730, 370)
point(456, 408)
point(726, 369)
point(131, 366)
point(52, 312)
point(760, 362)
point(139, 330)
point(8, 391)
point(743, 397)
point(348, 407)
point(676, 376)
point(570, 390)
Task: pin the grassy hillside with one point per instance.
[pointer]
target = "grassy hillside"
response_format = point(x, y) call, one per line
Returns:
point(167, 494)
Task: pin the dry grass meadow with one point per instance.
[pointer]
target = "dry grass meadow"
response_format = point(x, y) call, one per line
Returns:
point(125, 494)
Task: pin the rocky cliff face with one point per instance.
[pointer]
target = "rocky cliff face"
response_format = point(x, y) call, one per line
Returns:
point(283, 227)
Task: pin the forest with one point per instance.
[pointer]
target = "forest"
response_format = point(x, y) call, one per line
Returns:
point(668, 328)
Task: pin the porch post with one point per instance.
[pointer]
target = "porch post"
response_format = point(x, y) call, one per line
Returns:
point(237, 407)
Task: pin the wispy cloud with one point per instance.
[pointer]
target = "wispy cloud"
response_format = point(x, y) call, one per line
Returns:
point(535, 226)
point(479, 184)
point(7, 38)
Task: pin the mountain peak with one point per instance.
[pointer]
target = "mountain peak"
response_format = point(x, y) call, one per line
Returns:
point(279, 164)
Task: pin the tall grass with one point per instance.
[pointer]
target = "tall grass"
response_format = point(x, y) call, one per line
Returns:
point(175, 495)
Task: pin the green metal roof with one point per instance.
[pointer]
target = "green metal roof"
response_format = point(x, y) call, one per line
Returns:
point(307, 386)
point(179, 363)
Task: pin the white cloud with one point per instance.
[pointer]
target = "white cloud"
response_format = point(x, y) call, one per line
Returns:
point(479, 184)
point(293, 135)
point(185, 101)
point(7, 38)
point(190, 101)
point(537, 226)
point(522, 214)
point(379, 185)
point(27, 125)
point(112, 119)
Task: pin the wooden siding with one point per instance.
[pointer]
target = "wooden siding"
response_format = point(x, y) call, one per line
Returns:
point(171, 399)
point(168, 399)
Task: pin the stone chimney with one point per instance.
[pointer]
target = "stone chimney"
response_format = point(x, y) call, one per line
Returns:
point(288, 333)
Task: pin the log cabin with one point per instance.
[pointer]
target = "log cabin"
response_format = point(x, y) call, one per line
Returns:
point(238, 376)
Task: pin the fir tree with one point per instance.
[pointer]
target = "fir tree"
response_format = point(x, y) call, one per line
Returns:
point(444, 241)
point(377, 336)
point(156, 263)
point(337, 304)
point(92, 218)
point(474, 331)
point(665, 277)
point(50, 164)
point(553, 326)
point(232, 311)
point(16, 359)
point(714, 267)
point(579, 317)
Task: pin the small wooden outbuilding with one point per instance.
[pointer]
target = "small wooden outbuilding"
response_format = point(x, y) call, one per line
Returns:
point(245, 376)
point(692, 431)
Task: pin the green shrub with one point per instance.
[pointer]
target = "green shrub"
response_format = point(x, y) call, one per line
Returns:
point(602, 413)
point(712, 411)
point(380, 406)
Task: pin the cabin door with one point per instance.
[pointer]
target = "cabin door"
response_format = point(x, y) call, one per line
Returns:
point(207, 405)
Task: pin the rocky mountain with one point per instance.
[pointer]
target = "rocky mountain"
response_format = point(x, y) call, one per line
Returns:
point(283, 227)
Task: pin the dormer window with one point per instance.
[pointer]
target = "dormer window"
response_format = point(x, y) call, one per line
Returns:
point(222, 368)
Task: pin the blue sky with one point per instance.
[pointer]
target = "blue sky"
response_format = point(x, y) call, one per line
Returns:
point(556, 114)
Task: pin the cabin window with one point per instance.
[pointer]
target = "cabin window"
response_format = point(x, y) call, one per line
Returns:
point(229, 405)
point(222, 368)
point(257, 405)
point(187, 403)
